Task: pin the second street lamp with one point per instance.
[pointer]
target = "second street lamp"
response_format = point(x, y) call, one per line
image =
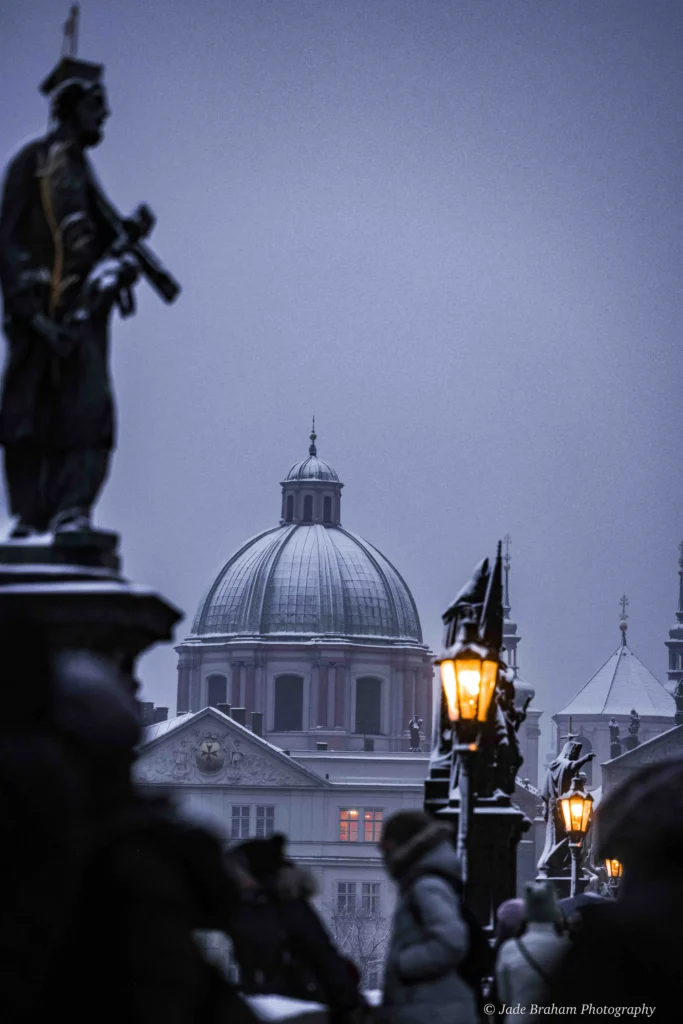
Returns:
point(469, 673)
point(614, 872)
point(576, 807)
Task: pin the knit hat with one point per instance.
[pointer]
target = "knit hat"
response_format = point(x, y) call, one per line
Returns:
point(540, 903)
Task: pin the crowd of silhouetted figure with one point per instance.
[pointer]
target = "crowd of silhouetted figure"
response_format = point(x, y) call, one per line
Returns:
point(104, 891)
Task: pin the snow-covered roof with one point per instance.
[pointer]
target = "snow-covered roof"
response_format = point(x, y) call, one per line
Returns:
point(621, 684)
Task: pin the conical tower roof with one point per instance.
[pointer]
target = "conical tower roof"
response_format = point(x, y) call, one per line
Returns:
point(621, 684)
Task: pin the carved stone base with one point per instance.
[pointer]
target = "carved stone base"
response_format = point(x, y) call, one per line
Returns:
point(495, 831)
point(71, 586)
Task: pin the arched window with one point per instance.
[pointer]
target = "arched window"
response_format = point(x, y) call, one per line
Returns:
point(308, 508)
point(289, 704)
point(327, 509)
point(289, 514)
point(217, 690)
point(369, 705)
point(586, 748)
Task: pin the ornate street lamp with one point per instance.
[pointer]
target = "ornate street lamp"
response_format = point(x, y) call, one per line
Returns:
point(469, 673)
point(615, 869)
point(576, 807)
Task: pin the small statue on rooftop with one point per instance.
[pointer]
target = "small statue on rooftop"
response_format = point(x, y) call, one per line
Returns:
point(614, 739)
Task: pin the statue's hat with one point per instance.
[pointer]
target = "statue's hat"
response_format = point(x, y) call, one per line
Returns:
point(71, 69)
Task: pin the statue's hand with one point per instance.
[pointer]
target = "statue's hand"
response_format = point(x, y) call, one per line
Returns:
point(129, 272)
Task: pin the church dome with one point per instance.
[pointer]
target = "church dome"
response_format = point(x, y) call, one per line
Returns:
point(309, 577)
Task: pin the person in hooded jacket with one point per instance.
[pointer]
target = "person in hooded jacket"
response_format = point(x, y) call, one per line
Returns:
point(42, 814)
point(279, 942)
point(430, 937)
point(526, 962)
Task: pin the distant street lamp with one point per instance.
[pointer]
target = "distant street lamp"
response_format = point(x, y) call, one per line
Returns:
point(615, 870)
point(576, 807)
point(469, 673)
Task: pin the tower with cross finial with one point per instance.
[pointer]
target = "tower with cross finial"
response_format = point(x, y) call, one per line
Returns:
point(609, 698)
point(623, 625)
point(529, 731)
point(675, 641)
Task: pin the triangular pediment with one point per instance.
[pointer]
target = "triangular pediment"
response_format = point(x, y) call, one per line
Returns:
point(208, 748)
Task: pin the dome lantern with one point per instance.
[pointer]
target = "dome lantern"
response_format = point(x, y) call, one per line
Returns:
point(311, 491)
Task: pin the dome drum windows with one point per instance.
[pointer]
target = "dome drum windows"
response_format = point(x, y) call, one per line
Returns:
point(307, 516)
point(216, 690)
point(288, 704)
point(289, 511)
point(369, 706)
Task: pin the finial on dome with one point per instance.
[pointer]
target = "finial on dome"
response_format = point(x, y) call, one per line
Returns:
point(312, 449)
point(623, 625)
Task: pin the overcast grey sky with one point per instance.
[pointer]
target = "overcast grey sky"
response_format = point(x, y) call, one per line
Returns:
point(451, 230)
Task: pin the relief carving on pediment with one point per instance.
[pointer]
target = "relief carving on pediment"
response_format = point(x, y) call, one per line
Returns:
point(209, 753)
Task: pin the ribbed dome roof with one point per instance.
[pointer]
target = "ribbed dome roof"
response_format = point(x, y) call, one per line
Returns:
point(309, 580)
point(312, 468)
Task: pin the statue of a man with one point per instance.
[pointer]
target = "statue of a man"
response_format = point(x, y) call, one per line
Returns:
point(614, 738)
point(66, 258)
point(555, 857)
point(56, 409)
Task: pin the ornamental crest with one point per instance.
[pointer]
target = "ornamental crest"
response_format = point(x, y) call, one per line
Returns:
point(210, 755)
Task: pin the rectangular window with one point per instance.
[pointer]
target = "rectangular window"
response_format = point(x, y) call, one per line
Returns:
point(265, 821)
point(348, 825)
point(346, 897)
point(241, 817)
point(370, 902)
point(372, 825)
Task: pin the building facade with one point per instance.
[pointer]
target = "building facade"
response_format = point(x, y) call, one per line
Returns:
point(330, 804)
point(312, 628)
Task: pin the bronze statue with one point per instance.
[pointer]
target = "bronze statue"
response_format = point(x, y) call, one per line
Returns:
point(555, 859)
point(500, 754)
point(66, 260)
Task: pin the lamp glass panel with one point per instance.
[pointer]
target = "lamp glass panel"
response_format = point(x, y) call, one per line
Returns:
point(587, 808)
point(449, 688)
point(614, 867)
point(489, 677)
point(468, 674)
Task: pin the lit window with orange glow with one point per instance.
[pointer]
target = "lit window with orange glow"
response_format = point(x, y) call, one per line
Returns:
point(348, 825)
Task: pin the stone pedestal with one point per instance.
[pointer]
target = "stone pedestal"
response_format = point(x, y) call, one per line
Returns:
point(72, 588)
point(495, 831)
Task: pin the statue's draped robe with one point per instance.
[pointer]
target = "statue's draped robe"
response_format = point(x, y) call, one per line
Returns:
point(56, 409)
point(557, 781)
point(60, 401)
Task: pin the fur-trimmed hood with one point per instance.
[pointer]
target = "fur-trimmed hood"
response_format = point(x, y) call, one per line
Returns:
point(262, 864)
point(430, 850)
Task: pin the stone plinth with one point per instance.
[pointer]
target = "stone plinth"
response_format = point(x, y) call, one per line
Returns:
point(494, 834)
point(71, 586)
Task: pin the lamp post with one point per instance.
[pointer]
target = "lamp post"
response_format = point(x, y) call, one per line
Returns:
point(615, 870)
point(576, 807)
point(469, 673)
